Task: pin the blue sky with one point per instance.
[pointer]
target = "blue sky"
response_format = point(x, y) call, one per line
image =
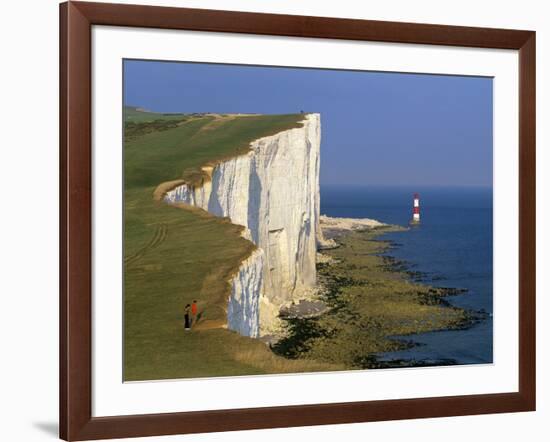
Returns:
point(381, 129)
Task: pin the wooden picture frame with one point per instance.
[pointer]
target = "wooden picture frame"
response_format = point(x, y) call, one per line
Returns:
point(76, 21)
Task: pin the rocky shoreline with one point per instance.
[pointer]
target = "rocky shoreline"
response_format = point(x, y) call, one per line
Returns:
point(365, 299)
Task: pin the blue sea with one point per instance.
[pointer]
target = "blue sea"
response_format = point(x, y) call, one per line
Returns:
point(452, 247)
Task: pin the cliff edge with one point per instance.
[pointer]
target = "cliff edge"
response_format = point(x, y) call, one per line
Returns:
point(273, 191)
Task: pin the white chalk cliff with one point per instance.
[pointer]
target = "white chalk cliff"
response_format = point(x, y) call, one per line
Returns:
point(244, 302)
point(273, 191)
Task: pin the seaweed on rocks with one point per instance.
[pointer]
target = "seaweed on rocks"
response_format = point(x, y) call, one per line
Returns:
point(371, 297)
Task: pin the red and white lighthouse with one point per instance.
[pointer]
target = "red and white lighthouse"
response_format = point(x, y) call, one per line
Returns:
point(416, 209)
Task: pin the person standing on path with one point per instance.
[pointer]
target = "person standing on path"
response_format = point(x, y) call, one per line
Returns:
point(187, 317)
point(194, 310)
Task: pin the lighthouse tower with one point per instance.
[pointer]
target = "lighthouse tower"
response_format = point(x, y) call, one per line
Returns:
point(416, 209)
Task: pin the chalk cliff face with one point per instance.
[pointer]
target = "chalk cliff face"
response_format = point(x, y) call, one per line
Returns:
point(244, 302)
point(273, 191)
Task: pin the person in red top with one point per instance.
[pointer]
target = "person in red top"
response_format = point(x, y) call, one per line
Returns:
point(194, 310)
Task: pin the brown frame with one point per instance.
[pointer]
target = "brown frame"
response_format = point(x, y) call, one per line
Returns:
point(76, 20)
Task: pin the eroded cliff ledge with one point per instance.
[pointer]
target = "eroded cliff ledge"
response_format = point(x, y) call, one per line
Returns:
point(273, 191)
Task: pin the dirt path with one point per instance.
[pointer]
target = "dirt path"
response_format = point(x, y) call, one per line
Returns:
point(158, 237)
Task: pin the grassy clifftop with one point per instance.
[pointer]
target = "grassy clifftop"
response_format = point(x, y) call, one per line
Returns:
point(178, 149)
point(175, 255)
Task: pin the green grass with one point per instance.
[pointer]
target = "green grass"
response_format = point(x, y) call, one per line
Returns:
point(174, 255)
point(133, 114)
point(180, 152)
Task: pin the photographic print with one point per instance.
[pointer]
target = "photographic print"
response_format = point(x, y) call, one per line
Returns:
point(293, 220)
